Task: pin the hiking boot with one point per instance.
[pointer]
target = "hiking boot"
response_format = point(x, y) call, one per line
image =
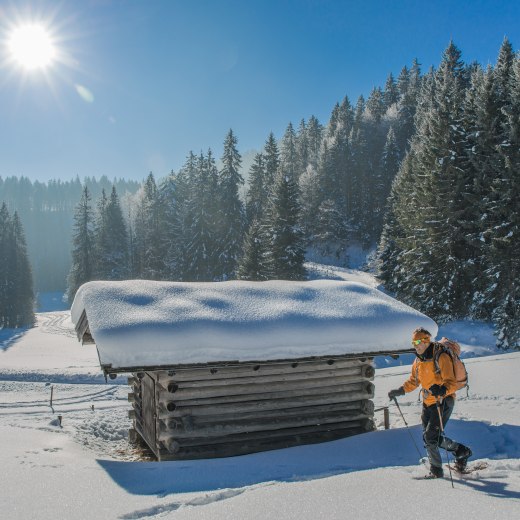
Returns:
point(436, 472)
point(462, 454)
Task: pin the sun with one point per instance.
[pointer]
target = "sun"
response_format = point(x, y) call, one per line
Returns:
point(31, 46)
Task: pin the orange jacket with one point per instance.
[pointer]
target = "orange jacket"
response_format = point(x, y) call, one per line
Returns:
point(423, 373)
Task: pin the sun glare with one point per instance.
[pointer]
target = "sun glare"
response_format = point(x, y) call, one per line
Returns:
point(31, 47)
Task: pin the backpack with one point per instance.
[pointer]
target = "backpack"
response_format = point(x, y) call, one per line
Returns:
point(452, 348)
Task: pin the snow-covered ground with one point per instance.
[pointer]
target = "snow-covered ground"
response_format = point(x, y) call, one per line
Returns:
point(85, 468)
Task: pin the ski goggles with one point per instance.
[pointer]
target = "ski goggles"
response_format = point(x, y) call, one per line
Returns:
point(417, 342)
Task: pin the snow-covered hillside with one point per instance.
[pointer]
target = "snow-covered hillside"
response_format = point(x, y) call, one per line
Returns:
point(85, 468)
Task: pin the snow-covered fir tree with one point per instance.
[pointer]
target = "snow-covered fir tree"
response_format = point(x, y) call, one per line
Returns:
point(257, 194)
point(502, 258)
point(111, 239)
point(148, 244)
point(254, 264)
point(232, 218)
point(286, 253)
point(83, 245)
point(202, 247)
point(16, 286)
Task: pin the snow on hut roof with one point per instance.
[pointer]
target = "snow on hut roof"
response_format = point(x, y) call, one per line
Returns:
point(142, 323)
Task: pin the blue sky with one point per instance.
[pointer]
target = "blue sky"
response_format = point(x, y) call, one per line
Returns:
point(138, 84)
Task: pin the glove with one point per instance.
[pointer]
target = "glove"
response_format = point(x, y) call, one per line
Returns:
point(438, 390)
point(396, 393)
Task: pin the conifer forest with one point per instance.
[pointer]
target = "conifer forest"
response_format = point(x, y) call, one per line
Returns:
point(424, 173)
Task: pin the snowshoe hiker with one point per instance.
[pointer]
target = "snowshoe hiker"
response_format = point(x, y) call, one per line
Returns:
point(438, 389)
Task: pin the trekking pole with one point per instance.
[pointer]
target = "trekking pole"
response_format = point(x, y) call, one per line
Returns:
point(442, 433)
point(408, 429)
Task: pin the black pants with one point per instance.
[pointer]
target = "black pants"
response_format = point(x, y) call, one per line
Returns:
point(432, 436)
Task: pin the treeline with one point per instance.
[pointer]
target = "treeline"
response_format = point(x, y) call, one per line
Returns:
point(190, 227)
point(342, 170)
point(16, 290)
point(318, 189)
point(46, 212)
point(451, 241)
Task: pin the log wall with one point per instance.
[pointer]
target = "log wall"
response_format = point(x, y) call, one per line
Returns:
point(219, 411)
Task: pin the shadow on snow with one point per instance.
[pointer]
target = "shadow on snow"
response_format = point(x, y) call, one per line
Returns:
point(8, 337)
point(362, 452)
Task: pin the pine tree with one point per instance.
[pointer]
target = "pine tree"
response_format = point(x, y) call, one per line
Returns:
point(302, 148)
point(5, 262)
point(409, 86)
point(396, 242)
point(254, 264)
point(391, 92)
point(403, 81)
point(483, 165)
point(257, 194)
point(171, 224)
point(231, 208)
point(375, 106)
point(289, 160)
point(201, 260)
point(326, 218)
point(82, 268)
point(271, 160)
point(385, 174)
point(148, 241)
point(360, 198)
point(341, 163)
point(431, 267)
point(16, 289)
point(22, 277)
point(286, 252)
point(182, 223)
point(100, 238)
point(112, 261)
point(502, 255)
point(440, 187)
point(314, 139)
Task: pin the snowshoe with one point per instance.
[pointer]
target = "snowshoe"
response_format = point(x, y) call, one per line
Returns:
point(462, 454)
point(472, 468)
point(435, 472)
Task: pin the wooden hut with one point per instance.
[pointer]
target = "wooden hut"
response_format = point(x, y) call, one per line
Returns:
point(229, 368)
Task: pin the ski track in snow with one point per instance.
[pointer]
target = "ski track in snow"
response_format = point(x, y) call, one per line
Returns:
point(56, 323)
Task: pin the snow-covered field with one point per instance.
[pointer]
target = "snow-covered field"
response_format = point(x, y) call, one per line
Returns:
point(85, 468)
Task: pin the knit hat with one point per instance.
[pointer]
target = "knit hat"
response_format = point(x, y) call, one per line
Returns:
point(421, 333)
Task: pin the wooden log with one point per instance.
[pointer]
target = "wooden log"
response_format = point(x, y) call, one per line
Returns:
point(191, 390)
point(265, 394)
point(365, 407)
point(258, 369)
point(251, 446)
point(187, 428)
point(188, 441)
point(269, 404)
point(360, 372)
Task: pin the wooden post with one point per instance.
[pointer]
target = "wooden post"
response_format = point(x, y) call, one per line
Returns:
point(386, 416)
point(386, 413)
point(52, 391)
